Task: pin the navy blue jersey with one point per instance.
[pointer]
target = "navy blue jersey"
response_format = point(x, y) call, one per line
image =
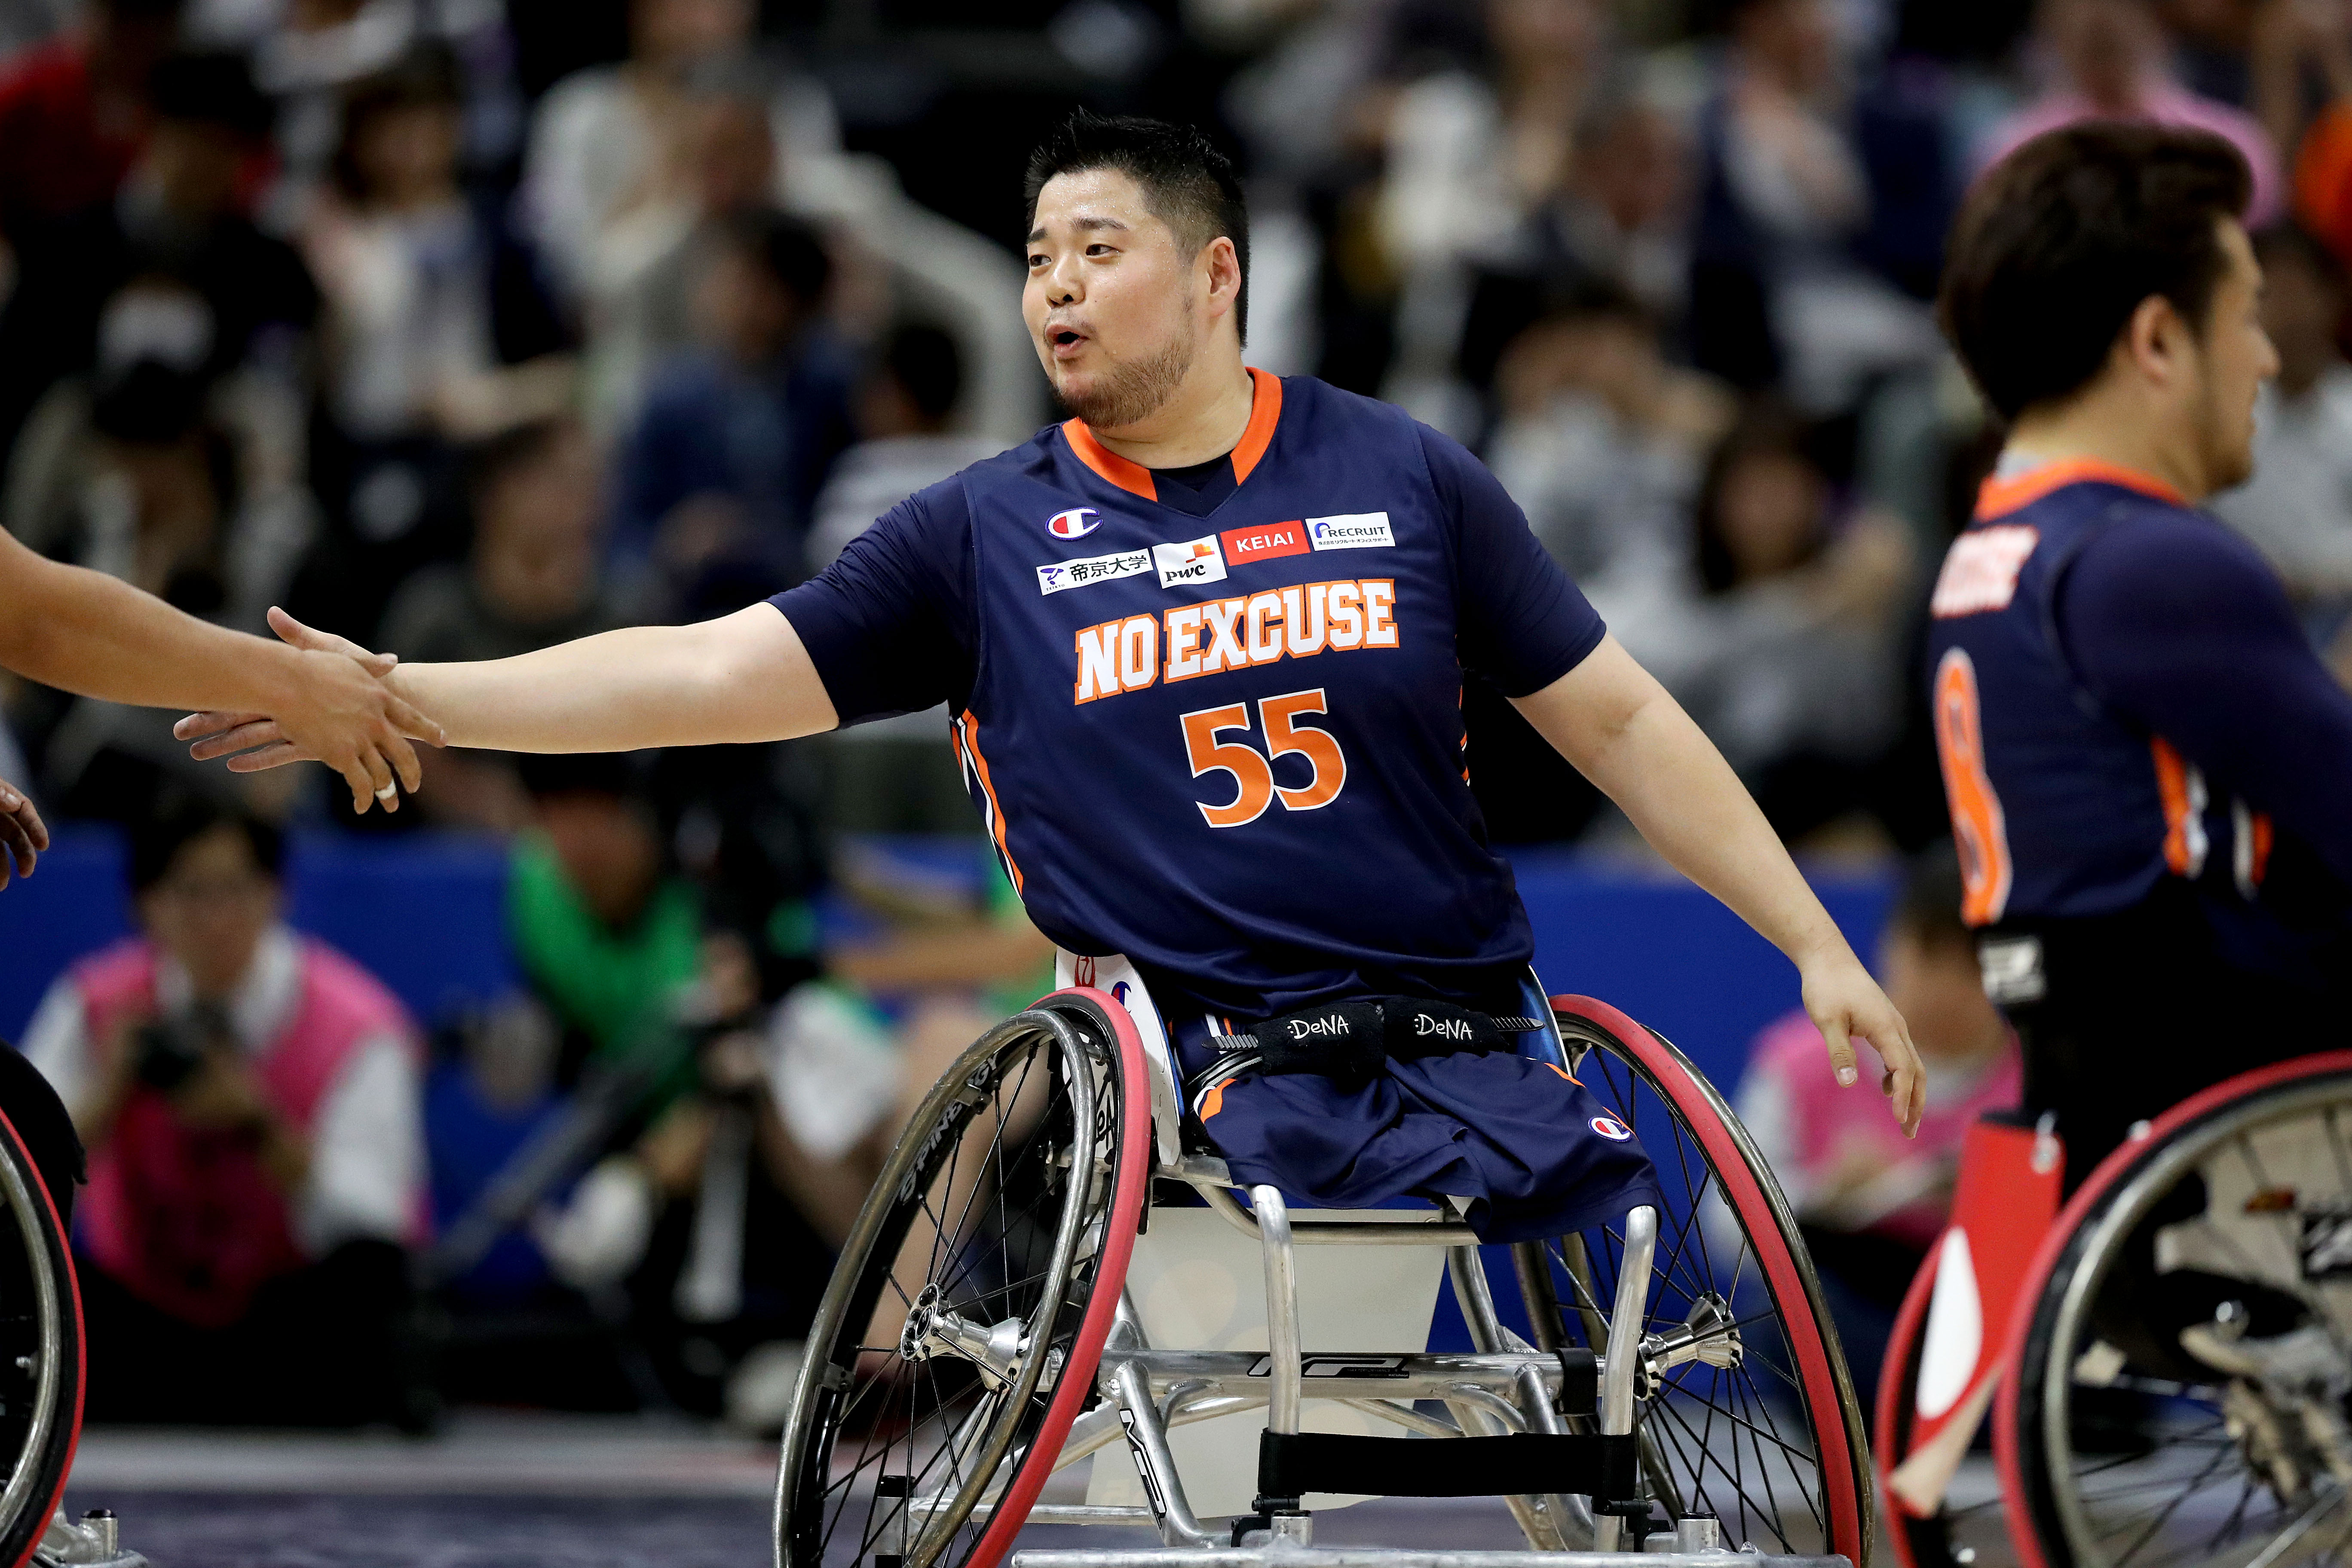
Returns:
point(1213, 718)
point(2123, 698)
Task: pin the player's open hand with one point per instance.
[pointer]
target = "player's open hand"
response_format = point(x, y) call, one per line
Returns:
point(1844, 1003)
point(22, 832)
point(340, 712)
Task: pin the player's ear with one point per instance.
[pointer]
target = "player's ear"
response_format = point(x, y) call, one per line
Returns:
point(1222, 269)
point(2153, 340)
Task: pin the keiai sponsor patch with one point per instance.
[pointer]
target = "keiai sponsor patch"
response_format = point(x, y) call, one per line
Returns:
point(1091, 569)
point(1350, 530)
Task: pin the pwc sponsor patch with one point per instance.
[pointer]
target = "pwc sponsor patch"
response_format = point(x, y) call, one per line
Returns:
point(1350, 530)
point(1091, 569)
point(1192, 562)
point(1243, 545)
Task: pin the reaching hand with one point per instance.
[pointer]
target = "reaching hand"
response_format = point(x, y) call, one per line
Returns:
point(342, 715)
point(1843, 1002)
point(22, 832)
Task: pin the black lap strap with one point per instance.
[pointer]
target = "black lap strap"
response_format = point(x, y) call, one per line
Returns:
point(1351, 1042)
point(1292, 1464)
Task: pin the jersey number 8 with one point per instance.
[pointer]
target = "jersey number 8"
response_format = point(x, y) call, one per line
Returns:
point(1254, 772)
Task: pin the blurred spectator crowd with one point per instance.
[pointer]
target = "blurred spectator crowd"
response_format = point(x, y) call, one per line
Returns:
point(462, 326)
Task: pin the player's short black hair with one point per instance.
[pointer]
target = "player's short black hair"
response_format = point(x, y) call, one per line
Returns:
point(182, 816)
point(2061, 241)
point(784, 247)
point(1187, 183)
point(929, 368)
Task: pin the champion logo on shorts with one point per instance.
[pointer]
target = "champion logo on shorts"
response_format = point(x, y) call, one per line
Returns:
point(1193, 561)
point(1090, 570)
point(1351, 531)
point(1074, 523)
point(1609, 1127)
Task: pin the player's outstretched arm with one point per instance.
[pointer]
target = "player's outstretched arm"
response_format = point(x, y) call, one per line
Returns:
point(741, 677)
point(1621, 729)
point(86, 633)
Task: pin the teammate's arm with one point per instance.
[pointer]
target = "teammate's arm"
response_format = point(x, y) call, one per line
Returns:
point(1524, 626)
point(741, 677)
point(1621, 729)
point(84, 632)
point(2184, 628)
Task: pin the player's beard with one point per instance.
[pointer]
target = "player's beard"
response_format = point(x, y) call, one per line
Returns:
point(1134, 391)
point(2227, 436)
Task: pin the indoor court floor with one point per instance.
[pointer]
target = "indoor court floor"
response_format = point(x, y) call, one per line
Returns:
point(509, 1491)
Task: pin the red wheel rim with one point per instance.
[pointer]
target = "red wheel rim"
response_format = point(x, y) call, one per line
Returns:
point(1078, 1376)
point(2015, 1505)
point(1746, 1196)
point(81, 1356)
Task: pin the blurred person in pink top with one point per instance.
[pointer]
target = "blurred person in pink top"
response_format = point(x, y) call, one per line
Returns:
point(1869, 1201)
point(2106, 59)
point(248, 1098)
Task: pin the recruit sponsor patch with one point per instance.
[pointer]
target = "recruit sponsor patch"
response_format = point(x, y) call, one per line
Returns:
point(1351, 531)
point(1091, 569)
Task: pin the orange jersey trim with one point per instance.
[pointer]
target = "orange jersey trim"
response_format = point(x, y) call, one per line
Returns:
point(968, 728)
point(2184, 850)
point(1214, 1100)
point(1132, 478)
point(1998, 497)
point(1266, 412)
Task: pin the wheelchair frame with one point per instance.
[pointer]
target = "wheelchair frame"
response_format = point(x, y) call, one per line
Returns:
point(1504, 1389)
point(1496, 1389)
point(2027, 1335)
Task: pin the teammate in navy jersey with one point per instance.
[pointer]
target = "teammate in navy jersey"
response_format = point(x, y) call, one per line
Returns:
point(2149, 770)
point(1205, 644)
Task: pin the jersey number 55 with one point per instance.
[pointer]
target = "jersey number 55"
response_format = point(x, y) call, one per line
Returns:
point(1252, 770)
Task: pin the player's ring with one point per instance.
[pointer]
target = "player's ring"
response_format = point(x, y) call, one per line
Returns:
point(388, 792)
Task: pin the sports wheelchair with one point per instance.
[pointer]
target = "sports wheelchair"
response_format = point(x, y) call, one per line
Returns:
point(2142, 1411)
point(1048, 1313)
point(41, 1368)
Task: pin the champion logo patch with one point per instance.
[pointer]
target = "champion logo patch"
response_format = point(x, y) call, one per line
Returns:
point(1243, 545)
point(1074, 523)
point(1192, 562)
point(1609, 1127)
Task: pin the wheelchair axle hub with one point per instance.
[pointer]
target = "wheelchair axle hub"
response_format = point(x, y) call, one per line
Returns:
point(1709, 1334)
point(935, 1330)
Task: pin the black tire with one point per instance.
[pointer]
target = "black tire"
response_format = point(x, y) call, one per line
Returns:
point(1050, 1108)
point(2132, 1472)
point(41, 1368)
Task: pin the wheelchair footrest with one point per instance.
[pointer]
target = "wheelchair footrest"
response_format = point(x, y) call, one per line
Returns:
point(1292, 1464)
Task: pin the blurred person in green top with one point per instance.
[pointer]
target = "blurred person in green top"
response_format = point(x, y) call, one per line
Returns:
point(767, 1084)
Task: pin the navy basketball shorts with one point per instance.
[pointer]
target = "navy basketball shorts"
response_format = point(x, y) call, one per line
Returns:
point(1531, 1151)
